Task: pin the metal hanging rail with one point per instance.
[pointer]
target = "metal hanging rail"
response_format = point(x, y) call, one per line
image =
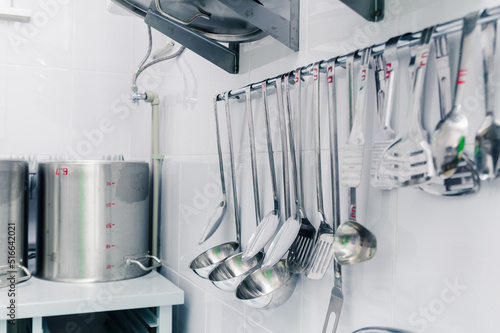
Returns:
point(406, 40)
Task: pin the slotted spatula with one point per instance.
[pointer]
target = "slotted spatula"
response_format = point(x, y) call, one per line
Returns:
point(355, 147)
point(408, 161)
point(322, 254)
point(386, 74)
point(337, 297)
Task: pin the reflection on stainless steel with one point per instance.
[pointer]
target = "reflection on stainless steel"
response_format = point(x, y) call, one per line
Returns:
point(267, 288)
point(380, 330)
point(228, 275)
point(14, 214)
point(208, 260)
point(93, 216)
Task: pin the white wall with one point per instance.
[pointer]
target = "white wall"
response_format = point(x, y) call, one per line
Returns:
point(73, 70)
point(426, 243)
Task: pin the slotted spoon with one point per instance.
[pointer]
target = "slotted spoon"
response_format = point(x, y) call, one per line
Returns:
point(488, 135)
point(448, 139)
point(466, 179)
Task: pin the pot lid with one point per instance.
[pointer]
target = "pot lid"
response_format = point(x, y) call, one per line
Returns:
point(208, 17)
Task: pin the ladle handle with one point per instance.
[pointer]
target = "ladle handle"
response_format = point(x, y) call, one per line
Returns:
point(444, 74)
point(270, 151)
point(334, 145)
point(334, 160)
point(317, 138)
point(391, 71)
point(488, 39)
point(219, 151)
point(298, 106)
point(464, 55)
point(237, 221)
point(253, 157)
point(284, 145)
point(291, 140)
point(414, 128)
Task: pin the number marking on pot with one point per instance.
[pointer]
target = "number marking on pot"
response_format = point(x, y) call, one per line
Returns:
point(110, 183)
point(108, 246)
point(110, 266)
point(109, 204)
point(62, 171)
point(110, 225)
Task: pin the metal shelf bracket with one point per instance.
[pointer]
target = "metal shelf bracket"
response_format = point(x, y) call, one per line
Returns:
point(370, 10)
point(283, 30)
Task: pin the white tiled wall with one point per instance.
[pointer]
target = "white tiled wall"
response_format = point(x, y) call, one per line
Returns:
point(436, 268)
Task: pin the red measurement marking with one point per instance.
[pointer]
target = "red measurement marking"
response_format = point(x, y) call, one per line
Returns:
point(297, 76)
point(109, 204)
point(388, 70)
point(110, 183)
point(315, 74)
point(363, 75)
point(423, 60)
point(109, 266)
point(110, 225)
point(109, 246)
point(330, 74)
point(353, 212)
point(61, 171)
point(462, 74)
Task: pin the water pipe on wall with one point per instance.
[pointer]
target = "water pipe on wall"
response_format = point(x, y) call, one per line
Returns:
point(156, 157)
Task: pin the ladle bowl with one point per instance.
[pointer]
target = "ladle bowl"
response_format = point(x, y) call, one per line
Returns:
point(230, 272)
point(353, 243)
point(266, 229)
point(206, 262)
point(267, 288)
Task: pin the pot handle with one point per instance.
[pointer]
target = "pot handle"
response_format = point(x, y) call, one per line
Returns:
point(136, 261)
point(201, 14)
point(5, 268)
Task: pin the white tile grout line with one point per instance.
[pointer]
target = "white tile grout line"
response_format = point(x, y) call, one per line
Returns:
point(393, 296)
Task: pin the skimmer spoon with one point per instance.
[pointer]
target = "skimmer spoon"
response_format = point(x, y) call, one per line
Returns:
point(220, 210)
point(466, 179)
point(448, 139)
point(322, 254)
point(488, 136)
point(269, 223)
point(408, 161)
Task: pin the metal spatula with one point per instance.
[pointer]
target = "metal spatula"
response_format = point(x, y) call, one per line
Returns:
point(299, 252)
point(466, 179)
point(386, 74)
point(337, 297)
point(355, 147)
point(408, 161)
point(322, 254)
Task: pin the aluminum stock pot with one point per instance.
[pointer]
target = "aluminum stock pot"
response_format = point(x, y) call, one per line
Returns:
point(93, 223)
point(13, 220)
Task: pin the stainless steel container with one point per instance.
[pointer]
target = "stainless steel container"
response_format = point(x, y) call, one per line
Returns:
point(13, 220)
point(93, 222)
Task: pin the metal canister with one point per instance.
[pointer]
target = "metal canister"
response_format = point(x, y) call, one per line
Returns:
point(93, 223)
point(13, 220)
